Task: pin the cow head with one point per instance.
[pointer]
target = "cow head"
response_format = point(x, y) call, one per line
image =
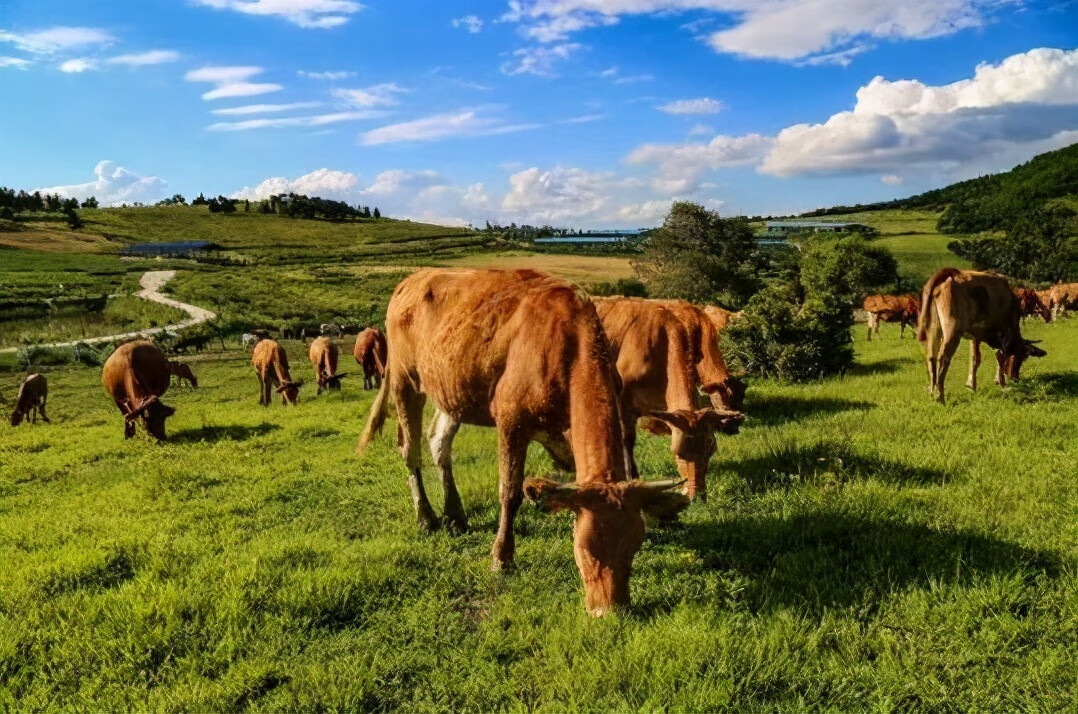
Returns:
point(730, 393)
point(289, 392)
point(692, 440)
point(609, 529)
point(1012, 359)
point(17, 416)
point(152, 413)
point(334, 381)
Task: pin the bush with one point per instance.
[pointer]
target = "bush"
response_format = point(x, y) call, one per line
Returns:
point(1041, 246)
point(35, 356)
point(629, 287)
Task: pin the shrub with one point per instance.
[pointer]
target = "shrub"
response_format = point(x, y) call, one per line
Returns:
point(629, 287)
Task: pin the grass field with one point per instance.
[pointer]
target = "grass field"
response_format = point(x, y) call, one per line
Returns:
point(575, 268)
point(863, 547)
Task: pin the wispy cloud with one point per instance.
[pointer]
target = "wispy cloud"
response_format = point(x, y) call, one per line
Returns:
point(332, 76)
point(265, 108)
point(16, 62)
point(583, 119)
point(704, 105)
point(143, 59)
point(614, 74)
point(57, 39)
point(442, 126)
point(842, 58)
point(284, 122)
point(471, 23)
point(230, 81)
point(378, 95)
point(322, 14)
point(539, 61)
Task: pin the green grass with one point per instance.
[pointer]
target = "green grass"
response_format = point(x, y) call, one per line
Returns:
point(122, 314)
point(862, 548)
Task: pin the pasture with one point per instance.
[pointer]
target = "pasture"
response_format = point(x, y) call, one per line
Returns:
point(862, 547)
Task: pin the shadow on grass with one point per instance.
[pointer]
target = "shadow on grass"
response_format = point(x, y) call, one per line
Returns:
point(823, 560)
point(775, 410)
point(884, 366)
point(789, 464)
point(230, 432)
point(1050, 386)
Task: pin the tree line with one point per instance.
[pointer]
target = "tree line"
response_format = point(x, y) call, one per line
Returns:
point(293, 205)
point(14, 202)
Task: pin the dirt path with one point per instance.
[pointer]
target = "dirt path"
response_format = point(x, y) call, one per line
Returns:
point(151, 283)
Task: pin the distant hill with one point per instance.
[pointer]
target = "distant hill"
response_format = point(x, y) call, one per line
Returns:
point(993, 202)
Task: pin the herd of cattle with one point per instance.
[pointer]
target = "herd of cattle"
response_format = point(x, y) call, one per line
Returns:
point(540, 361)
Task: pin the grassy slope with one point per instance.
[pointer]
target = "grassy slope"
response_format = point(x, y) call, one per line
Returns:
point(863, 547)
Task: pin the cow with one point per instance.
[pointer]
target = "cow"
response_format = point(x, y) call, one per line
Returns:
point(271, 365)
point(331, 329)
point(248, 340)
point(323, 356)
point(725, 391)
point(33, 393)
point(1030, 303)
point(181, 372)
point(136, 376)
point(525, 354)
point(370, 353)
point(981, 307)
point(1063, 297)
point(891, 308)
point(651, 350)
point(720, 317)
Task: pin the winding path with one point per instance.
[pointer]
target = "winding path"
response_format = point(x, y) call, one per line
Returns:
point(151, 283)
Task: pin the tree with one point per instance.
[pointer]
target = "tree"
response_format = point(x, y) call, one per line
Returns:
point(377, 213)
point(200, 201)
point(73, 219)
point(701, 257)
point(1041, 246)
point(90, 202)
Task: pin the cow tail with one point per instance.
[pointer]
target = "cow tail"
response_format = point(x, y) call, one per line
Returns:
point(377, 417)
point(924, 319)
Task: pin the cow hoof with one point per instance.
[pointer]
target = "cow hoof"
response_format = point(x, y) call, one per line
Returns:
point(428, 523)
point(456, 525)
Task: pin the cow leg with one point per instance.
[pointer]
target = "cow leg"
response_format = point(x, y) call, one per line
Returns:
point(561, 452)
point(1001, 374)
point(41, 406)
point(871, 324)
point(628, 430)
point(443, 430)
point(512, 451)
point(974, 364)
point(950, 345)
point(410, 439)
point(931, 360)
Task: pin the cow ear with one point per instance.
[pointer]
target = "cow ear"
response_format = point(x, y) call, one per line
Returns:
point(681, 419)
point(167, 411)
point(659, 499)
point(551, 496)
point(340, 375)
point(727, 422)
point(142, 406)
point(654, 426)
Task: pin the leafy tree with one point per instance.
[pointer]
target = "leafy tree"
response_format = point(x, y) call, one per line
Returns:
point(90, 202)
point(73, 219)
point(377, 213)
point(200, 201)
point(1042, 246)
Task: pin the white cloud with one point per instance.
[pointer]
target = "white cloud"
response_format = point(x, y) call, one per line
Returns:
point(324, 183)
point(332, 76)
point(230, 81)
point(396, 181)
point(16, 62)
point(704, 105)
point(56, 39)
point(558, 195)
point(776, 29)
point(114, 185)
point(322, 14)
point(614, 74)
point(471, 23)
point(701, 130)
point(891, 179)
point(378, 95)
point(842, 58)
point(75, 66)
point(539, 61)
point(143, 59)
point(583, 119)
point(442, 126)
point(285, 122)
point(1026, 98)
point(264, 108)
point(680, 166)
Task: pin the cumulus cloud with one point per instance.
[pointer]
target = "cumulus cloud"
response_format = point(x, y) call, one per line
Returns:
point(442, 126)
point(113, 185)
point(704, 105)
point(378, 95)
point(539, 61)
point(285, 122)
point(75, 66)
point(325, 183)
point(143, 59)
point(57, 39)
point(322, 14)
point(230, 81)
point(680, 166)
point(16, 62)
point(471, 23)
point(891, 179)
point(326, 75)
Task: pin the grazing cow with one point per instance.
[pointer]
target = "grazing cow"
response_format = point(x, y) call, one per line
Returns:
point(323, 356)
point(720, 317)
point(526, 354)
point(725, 391)
point(136, 375)
point(1030, 303)
point(332, 329)
point(981, 307)
point(370, 352)
point(181, 372)
point(891, 308)
point(248, 340)
point(33, 393)
point(196, 342)
point(271, 365)
point(651, 350)
point(1063, 297)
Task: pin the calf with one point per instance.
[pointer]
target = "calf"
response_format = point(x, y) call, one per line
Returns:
point(651, 351)
point(1030, 303)
point(136, 375)
point(248, 340)
point(525, 354)
point(370, 352)
point(323, 356)
point(33, 393)
point(1063, 297)
point(891, 308)
point(271, 365)
point(181, 372)
point(979, 306)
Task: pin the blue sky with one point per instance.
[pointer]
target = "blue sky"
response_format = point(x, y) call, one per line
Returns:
point(570, 112)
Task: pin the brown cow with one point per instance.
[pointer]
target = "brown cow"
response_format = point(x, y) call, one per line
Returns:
point(323, 356)
point(271, 365)
point(725, 391)
point(182, 372)
point(1063, 297)
point(370, 353)
point(525, 354)
point(891, 308)
point(720, 317)
point(1030, 303)
point(980, 306)
point(136, 375)
point(33, 393)
point(651, 350)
